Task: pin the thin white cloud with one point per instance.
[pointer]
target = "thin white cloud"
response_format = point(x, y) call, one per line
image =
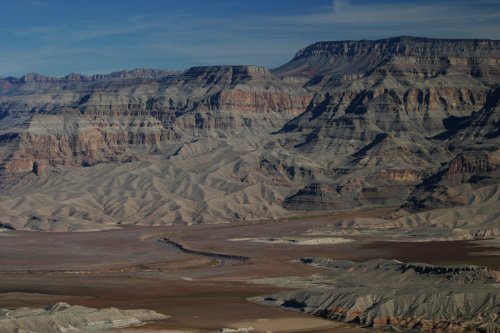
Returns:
point(390, 13)
point(338, 5)
point(174, 40)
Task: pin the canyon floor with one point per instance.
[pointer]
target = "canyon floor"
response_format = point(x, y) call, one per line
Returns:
point(131, 268)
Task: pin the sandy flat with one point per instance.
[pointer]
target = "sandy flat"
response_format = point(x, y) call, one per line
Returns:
point(286, 324)
point(147, 330)
point(129, 269)
point(295, 240)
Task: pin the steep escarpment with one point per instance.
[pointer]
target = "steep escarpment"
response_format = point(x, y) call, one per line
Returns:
point(393, 295)
point(333, 63)
point(117, 119)
point(411, 109)
point(479, 130)
point(343, 125)
point(138, 73)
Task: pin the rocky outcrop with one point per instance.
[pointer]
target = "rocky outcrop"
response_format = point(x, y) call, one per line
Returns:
point(260, 102)
point(392, 104)
point(362, 115)
point(480, 162)
point(74, 140)
point(406, 46)
point(316, 197)
point(86, 121)
point(213, 74)
point(394, 295)
point(402, 176)
point(481, 129)
point(452, 183)
point(343, 125)
point(340, 61)
point(62, 317)
point(139, 73)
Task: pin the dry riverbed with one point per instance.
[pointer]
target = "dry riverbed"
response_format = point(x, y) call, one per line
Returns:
point(130, 269)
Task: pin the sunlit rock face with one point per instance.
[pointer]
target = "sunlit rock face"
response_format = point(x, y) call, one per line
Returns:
point(390, 294)
point(342, 125)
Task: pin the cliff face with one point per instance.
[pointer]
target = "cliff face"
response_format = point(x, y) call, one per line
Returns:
point(261, 102)
point(84, 121)
point(389, 294)
point(139, 73)
point(405, 46)
point(424, 57)
point(477, 164)
point(76, 141)
point(394, 106)
point(342, 125)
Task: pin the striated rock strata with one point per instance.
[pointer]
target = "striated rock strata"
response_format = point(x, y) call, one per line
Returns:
point(394, 295)
point(343, 125)
point(62, 317)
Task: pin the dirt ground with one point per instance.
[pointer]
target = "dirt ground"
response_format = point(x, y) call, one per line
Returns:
point(129, 269)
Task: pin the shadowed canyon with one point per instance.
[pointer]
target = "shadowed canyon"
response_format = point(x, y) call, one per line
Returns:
point(359, 182)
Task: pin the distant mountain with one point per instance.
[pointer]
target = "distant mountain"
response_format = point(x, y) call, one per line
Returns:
point(345, 60)
point(138, 73)
point(342, 125)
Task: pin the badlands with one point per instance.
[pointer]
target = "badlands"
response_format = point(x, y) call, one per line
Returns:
point(353, 189)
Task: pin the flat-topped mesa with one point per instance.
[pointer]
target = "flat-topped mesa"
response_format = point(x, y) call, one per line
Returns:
point(234, 71)
point(35, 77)
point(412, 56)
point(406, 46)
point(224, 68)
point(148, 73)
point(138, 73)
point(74, 77)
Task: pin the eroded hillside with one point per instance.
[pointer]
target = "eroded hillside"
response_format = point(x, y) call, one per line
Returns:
point(342, 125)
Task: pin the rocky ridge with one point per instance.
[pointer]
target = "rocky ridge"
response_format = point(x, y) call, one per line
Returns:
point(62, 317)
point(138, 73)
point(102, 121)
point(341, 61)
point(342, 125)
point(381, 293)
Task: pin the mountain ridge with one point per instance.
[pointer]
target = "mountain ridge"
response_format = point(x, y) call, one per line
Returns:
point(403, 39)
point(322, 132)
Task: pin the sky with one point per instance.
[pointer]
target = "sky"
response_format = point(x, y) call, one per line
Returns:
point(57, 37)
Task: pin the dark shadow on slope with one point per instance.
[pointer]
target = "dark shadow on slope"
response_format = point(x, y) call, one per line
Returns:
point(454, 124)
point(378, 139)
point(294, 304)
point(312, 137)
point(357, 106)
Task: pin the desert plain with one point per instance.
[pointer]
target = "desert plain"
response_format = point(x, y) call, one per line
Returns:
point(132, 269)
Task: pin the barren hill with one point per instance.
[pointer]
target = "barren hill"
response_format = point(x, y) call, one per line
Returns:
point(342, 125)
point(382, 293)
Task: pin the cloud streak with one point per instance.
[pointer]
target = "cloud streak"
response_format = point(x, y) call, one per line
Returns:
point(441, 15)
point(177, 39)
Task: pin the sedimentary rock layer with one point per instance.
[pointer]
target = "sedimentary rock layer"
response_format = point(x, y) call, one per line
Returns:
point(62, 317)
point(392, 294)
point(342, 125)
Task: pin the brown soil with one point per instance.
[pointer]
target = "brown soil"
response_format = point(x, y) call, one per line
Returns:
point(129, 269)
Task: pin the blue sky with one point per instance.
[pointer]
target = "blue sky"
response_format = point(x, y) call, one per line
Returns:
point(57, 37)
